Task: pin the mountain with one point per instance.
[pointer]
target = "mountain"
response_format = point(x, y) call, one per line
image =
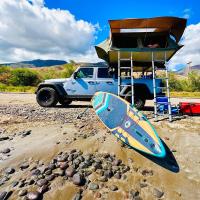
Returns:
point(36, 63)
point(195, 67)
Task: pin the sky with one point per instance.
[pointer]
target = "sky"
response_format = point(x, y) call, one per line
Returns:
point(69, 29)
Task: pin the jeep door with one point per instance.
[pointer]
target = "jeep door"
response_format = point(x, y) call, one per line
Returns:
point(83, 84)
point(105, 82)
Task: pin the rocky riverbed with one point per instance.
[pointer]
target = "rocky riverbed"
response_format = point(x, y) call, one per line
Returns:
point(56, 153)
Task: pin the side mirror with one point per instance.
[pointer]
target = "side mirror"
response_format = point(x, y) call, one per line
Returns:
point(75, 75)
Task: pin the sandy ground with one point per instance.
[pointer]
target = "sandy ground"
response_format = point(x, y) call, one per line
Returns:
point(56, 130)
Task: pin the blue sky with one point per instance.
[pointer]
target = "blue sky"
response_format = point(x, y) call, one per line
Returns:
point(69, 29)
point(99, 11)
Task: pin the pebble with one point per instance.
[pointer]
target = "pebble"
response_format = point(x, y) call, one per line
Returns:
point(50, 177)
point(117, 162)
point(5, 151)
point(3, 180)
point(48, 172)
point(33, 195)
point(70, 171)
point(93, 186)
point(24, 166)
point(108, 173)
point(25, 133)
point(36, 172)
point(43, 189)
point(113, 188)
point(4, 138)
point(77, 196)
point(64, 165)
point(158, 193)
point(97, 195)
point(78, 179)
point(118, 175)
point(42, 182)
point(9, 170)
point(3, 195)
point(22, 192)
point(15, 183)
point(103, 179)
point(59, 172)
point(142, 184)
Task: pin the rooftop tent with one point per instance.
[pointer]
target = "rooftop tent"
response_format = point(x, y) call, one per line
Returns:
point(141, 37)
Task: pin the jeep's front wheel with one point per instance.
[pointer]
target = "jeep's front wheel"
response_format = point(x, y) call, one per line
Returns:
point(47, 97)
point(139, 102)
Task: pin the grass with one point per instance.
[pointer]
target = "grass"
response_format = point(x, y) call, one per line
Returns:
point(185, 94)
point(10, 88)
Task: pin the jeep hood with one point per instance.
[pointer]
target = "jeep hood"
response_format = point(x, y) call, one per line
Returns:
point(60, 80)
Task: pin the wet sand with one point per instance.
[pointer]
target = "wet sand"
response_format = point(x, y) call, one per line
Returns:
point(55, 130)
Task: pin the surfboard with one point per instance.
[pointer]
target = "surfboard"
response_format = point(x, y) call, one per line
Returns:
point(127, 123)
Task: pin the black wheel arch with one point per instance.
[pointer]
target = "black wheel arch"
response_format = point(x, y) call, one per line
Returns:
point(58, 87)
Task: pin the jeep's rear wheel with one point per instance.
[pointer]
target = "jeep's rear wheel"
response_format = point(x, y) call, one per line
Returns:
point(47, 97)
point(139, 102)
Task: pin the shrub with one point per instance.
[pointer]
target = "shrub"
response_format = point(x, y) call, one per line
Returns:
point(68, 70)
point(24, 77)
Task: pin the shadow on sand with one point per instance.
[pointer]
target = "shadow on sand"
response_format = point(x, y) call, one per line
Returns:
point(74, 106)
point(168, 162)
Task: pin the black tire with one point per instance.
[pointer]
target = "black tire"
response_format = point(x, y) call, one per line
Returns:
point(139, 102)
point(47, 97)
point(65, 102)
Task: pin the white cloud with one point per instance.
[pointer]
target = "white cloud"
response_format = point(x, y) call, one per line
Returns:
point(186, 13)
point(29, 30)
point(191, 49)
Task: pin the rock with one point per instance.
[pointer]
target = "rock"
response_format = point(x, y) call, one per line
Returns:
point(4, 138)
point(126, 169)
point(103, 179)
point(42, 182)
point(43, 189)
point(48, 172)
point(134, 193)
point(24, 166)
point(77, 196)
point(15, 183)
point(70, 171)
point(9, 170)
point(116, 162)
point(113, 188)
point(118, 175)
point(97, 195)
point(142, 184)
point(31, 182)
point(36, 172)
point(21, 184)
point(50, 177)
point(63, 165)
point(59, 172)
point(93, 186)
point(108, 173)
point(3, 195)
point(22, 192)
point(146, 172)
point(124, 176)
point(51, 166)
point(5, 151)
point(33, 195)
point(78, 179)
point(25, 133)
point(158, 193)
point(97, 166)
point(3, 180)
